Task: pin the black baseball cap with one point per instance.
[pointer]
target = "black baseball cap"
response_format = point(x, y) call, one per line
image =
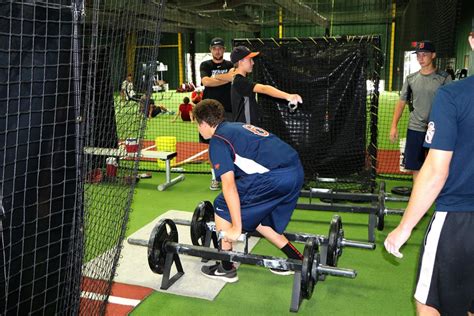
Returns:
point(241, 52)
point(217, 41)
point(425, 46)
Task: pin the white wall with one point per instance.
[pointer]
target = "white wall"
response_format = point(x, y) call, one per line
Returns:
point(200, 57)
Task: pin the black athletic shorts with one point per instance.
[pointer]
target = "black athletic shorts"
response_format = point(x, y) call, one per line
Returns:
point(446, 268)
point(415, 153)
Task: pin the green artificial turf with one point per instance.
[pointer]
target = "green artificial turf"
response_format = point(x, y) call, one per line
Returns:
point(387, 102)
point(384, 285)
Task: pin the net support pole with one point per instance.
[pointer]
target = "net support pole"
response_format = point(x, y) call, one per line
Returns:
point(329, 31)
point(180, 59)
point(392, 45)
point(78, 11)
point(130, 51)
point(192, 56)
point(280, 22)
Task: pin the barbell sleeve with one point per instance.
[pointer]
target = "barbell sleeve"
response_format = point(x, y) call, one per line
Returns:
point(137, 242)
point(357, 244)
point(390, 211)
point(346, 273)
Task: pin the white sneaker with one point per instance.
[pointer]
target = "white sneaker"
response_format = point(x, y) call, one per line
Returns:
point(215, 185)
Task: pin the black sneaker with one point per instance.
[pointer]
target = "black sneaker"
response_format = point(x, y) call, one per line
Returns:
point(281, 272)
point(217, 272)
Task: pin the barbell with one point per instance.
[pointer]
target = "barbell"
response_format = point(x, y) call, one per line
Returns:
point(164, 250)
point(203, 230)
point(379, 208)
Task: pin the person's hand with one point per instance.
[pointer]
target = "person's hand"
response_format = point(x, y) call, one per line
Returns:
point(393, 134)
point(232, 234)
point(294, 99)
point(395, 240)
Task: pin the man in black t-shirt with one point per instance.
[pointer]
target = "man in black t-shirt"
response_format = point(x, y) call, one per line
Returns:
point(243, 90)
point(216, 76)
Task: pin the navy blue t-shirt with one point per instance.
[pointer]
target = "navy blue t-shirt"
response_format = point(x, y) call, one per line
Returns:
point(247, 149)
point(451, 128)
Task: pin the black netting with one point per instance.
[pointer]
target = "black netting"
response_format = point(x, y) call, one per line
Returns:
point(38, 162)
point(67, 178)
point(331, 130)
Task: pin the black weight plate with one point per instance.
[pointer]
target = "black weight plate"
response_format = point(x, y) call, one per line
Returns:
point(334, 241)
point(161, 233)
point(403, 191)
point(381, 206)
point(307, 278)
point(203, 213)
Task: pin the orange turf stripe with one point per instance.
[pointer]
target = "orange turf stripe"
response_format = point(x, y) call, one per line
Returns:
point(130, 291)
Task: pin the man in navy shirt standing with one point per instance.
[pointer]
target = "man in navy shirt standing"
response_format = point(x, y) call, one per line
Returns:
point(446, 270)
point(261, 181)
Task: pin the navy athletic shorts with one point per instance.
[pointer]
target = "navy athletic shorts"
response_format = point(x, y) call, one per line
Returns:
point(268, 199)
point(446, 268)
point(415, 153)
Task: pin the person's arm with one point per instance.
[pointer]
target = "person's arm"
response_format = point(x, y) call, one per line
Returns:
point(178, 114)
point(232, 199)
point(274, 92)
point(218, 80)
point(397, 114)
point(398, 110)
point(428, 185)
point(191, 116)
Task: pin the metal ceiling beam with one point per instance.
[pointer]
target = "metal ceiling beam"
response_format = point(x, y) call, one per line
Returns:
point(219, 6)
point(303, 11)
point(204, 21)
point(195, 3)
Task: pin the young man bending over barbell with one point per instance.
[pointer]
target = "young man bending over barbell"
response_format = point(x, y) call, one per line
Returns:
point(261, 181)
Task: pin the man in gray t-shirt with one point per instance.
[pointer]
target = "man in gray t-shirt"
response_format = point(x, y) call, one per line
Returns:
point(418, 91)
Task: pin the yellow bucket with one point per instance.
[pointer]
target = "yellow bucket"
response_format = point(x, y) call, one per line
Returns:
point(165, 143)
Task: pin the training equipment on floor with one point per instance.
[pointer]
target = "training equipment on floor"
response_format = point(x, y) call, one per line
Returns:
point(203, 230)
point(164, 250)
point(376, 211)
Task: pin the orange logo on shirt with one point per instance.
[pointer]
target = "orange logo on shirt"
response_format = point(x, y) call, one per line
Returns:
point(217, 166)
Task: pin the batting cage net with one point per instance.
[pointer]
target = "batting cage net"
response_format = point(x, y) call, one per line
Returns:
point(335, 129)
point(69, 147)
